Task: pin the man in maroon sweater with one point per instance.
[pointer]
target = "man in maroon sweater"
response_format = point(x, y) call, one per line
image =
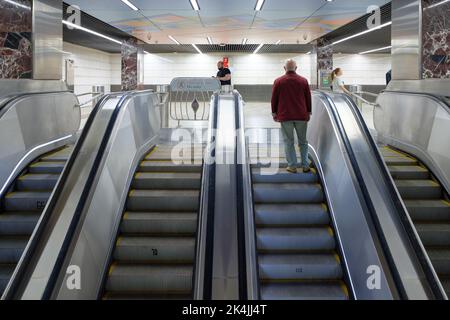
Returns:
point(291, 105)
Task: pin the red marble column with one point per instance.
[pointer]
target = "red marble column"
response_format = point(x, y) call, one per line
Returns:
point(436, 39)
point(132, 66)
point(15, 39)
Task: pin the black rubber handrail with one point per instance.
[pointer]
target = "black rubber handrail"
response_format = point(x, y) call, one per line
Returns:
point(24, 265)
point(240, 205)
point(209, 248)
point(365, 193)
point(422, 256)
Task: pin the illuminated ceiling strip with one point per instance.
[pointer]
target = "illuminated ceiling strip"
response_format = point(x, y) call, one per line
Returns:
point(362, 33)
point(18, 4)
point(259, 5)
point(195, 5)
point(278, 42)
point(132, 6)
point(174, 40)
point(259, 48)
point(210, 40)
point(436, 4)
point(376, 50)
point(75, 26)
point(196, 48)
point(244, 41)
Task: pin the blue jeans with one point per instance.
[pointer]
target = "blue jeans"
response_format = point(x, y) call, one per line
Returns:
point(288, 128)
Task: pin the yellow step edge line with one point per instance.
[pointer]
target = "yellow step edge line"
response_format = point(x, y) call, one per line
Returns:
point(401, 153)
point(111, 268)
point(344, 288)
point(446, 202)
point(324, 206)
point(151, 152)
point(330, 231)
point(338, 259)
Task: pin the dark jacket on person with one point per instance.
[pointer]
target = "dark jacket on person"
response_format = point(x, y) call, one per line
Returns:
point(291, 98)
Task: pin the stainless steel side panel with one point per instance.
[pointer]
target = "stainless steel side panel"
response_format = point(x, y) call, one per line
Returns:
point(33, 125)
point(417, 124)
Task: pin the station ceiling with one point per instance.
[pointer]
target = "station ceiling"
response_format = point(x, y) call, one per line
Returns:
point(291, 22)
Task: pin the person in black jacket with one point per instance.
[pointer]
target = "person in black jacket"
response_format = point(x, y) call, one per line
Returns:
point(224, 74)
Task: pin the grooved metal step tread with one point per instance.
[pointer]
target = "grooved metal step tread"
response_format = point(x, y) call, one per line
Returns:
point(419, 189)
point(37, 182)
point(61, 155)
point(18, 223)
point(26, 200)
point(268, 175)
point(287, 193)
point(173, 250)
point(299, 267)
point(6, 271)
point(11, 249)
point(400, 161)
point(159, 223)
point(133, 296)
point(304, 291)
point(295, 239)
point(163, 180)
point(429, 210)
point(440, 258)
point(47, 167)
point(435, 235)
point(291, 214)
point(150, 279)
point(168, 166)
point(409, 172)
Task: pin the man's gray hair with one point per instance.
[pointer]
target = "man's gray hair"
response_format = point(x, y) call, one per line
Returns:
point(290, 65)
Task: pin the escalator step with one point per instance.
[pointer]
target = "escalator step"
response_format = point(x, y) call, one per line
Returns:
point(186, 155)
point(295, 239)
point(440, 258)
point(61, 155)
point(37, 182)
point(6, 272)
point(428, 210)
point(155, 250)
point(287, 193)
point(55, 167)
point(168, 166)
point(143, 296)
point(164, 180)
point(434, 235)
point(273, 163)
point(400, 161)
point(163, 200)
point(11, 249)
point(299, 267)
point(159, 223)
point(291, 215)
point(409, 172)
point(267, 175)
point(18, 223)
point(419, 189)
point(26, 201)
point(304, 291)
point(446, 284)
point(148, 279)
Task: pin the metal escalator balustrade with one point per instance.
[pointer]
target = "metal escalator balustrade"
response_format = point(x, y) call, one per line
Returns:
point(22, 206)
point(297, 250)
point(428, 206)
point(155, 250)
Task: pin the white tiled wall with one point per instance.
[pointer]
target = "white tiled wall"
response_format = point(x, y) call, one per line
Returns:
point(92, 68)
point(363, 69)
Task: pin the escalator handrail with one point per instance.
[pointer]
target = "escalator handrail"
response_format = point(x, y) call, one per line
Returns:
point(24, 264)
point(11, 99)
point(202, 283)
point(367, 199)
point(444, 102)
point(399, 204)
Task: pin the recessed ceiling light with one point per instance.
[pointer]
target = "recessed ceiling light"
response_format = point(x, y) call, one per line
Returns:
point(376, 50)
point(196, 48)
point(259, 48)
point(364, 32)
point(210, 40)
point(244, 41)
point(75, 26)
point(195, 5)
point(132, 6)
point(259, 5)
point(174, 40)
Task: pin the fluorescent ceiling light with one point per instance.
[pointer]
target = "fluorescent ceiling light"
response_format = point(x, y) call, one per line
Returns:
point(278, 42)
point(436, 4)
point(244, 41)
point(132, 6)
point(259, 48)
point(195, 5)
point(174, 40)
point(259, 5)
point(210, 40)
point(364, 32)
point(309, 52)
point(196, 48)
point(376, 50)
point(75, 26)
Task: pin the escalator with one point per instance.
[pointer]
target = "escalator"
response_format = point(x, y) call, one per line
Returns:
point(22, 206)
point(297, 250)
point(155, 249)
point(428, 206)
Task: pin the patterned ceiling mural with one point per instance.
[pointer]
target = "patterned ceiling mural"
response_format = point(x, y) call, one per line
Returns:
point(291, 21)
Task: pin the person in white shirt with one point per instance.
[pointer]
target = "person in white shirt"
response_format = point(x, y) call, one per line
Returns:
point(337, 82)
